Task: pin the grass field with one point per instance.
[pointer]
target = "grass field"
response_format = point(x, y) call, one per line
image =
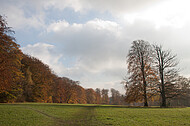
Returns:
point(37, 114)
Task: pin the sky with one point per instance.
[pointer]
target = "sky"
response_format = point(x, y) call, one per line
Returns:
point(88, 40)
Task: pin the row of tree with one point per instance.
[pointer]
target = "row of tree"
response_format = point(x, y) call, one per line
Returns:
point(153, 74)
point(26, 79)
point(153, 78)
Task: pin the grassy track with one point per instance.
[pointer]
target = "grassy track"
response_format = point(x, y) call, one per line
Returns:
point(37, 114)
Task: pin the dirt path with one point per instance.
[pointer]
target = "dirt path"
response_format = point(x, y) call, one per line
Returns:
point(58, 121)
point(86, 117)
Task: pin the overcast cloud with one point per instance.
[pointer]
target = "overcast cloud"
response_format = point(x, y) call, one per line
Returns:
point(94, 51)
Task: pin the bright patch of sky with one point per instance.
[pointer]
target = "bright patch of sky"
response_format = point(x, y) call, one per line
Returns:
point(88, 40)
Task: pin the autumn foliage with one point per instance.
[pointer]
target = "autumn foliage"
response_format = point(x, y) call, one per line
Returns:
point(153, 78)
point(10, 64)
point(24, 78)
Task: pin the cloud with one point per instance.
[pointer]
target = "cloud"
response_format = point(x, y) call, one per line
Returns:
point(172, 13)
point(47, 54)
point(57, 26)
point(22, 14)
point(172, 38)
point(33, 14)
point(112, 6)
point(89, 79)
point(96, 43)
point(94, 51)
point(101, 46)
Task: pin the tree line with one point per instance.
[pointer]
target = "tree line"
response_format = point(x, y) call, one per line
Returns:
point(153, 78)
point(153, 75)
point(24, 78)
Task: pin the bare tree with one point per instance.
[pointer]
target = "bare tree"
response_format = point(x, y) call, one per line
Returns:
point(139, 67)
point(183, 87)
point(166, 67)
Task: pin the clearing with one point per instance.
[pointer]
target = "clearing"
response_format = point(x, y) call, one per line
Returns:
point(44, 114)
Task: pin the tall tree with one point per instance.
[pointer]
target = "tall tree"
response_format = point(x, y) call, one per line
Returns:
point(105, 98)
point(166, 66)
point(91, 96)
point(58, 90)
point(66, 90)
point(38, 80)
point(70, 90)
point(98, 96)
point(81, 95)
point(141, 73)
point(10, 65)
point(115, 97)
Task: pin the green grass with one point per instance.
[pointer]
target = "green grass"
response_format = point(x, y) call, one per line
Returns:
point(37, 114)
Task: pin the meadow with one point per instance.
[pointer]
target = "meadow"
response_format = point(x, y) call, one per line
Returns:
point(47, 114)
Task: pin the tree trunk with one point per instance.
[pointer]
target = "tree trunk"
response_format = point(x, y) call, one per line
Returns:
point(163, 90)
point(163, 101)
point(145, 96)
point(144, 88)
point(144, 83)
